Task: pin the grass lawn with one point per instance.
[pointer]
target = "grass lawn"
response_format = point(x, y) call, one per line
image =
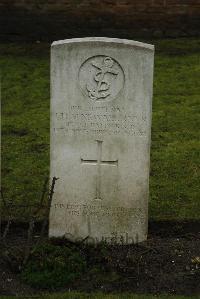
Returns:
point(72, 295)
point(174, 177)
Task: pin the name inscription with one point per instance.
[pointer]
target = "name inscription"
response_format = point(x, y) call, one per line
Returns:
point(100, 120)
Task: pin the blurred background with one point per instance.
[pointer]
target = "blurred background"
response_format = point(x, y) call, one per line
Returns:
point(48, 20)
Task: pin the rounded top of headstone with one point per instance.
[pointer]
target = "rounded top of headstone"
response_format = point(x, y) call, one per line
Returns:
point(104, 40)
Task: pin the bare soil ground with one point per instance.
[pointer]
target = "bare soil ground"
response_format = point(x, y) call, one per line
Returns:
point(168, 262)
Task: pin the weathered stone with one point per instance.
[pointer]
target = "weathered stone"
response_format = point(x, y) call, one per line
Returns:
point(101, 91)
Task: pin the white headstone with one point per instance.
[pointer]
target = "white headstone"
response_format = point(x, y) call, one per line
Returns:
point(101, 95)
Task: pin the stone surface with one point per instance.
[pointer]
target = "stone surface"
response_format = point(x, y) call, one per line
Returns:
point(101, 90)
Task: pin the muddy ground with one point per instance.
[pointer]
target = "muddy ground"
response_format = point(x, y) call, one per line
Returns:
point(168, 262)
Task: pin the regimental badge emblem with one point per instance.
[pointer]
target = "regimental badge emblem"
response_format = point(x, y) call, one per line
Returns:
point(101, 78)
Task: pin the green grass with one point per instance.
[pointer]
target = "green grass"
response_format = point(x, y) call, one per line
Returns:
point(174, 192)
point(25, 121)
point(175, 132)
point(51, 266)
point(72, 295)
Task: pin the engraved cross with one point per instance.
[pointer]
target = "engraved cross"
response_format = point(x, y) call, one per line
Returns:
point(99, 162)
